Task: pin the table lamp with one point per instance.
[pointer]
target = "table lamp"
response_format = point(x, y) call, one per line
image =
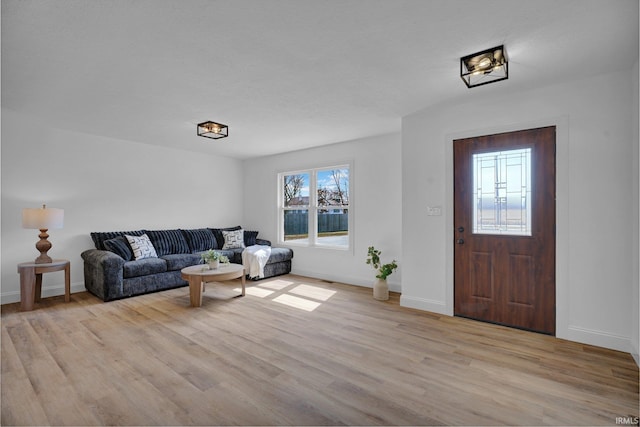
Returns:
point(43, 219)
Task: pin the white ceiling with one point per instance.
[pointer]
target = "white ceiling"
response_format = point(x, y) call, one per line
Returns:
point(285, 74)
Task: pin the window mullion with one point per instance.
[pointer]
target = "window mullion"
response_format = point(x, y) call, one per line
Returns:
point(313, 208)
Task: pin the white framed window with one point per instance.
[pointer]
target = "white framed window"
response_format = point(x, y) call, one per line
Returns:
point(314, 207)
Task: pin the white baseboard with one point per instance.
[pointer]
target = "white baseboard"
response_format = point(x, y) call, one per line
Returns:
point(600, 339)
point(574, 333)
point(424, 304)
point(356, 281)
point(47, 291)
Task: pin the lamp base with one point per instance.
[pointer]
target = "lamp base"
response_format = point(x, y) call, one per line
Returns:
point(43, 246)
point(44, 259)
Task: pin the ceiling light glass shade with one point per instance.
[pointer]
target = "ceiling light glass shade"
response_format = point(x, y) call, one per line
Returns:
point(484, 67)
point(213, 130)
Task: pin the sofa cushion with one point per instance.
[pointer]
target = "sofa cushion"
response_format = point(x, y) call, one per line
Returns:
point(152, 283)
point(279, 255)
point(232, 254)
point(180, 261)
point(143, 267)
point(235, 255)
point(275, 269)
point(201, 239)
point(233, 239)
point(218, 233)
point(119, 246)
point(141, 247)
point(263, 242)
point(99, 237)
point(168, 242)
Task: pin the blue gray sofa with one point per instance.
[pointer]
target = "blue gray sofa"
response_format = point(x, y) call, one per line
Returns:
point(111, 272)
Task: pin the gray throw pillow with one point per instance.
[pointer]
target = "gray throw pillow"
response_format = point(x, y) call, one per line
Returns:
point(119, 246)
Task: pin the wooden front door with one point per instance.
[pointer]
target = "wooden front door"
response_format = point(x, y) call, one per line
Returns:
point(504, 219)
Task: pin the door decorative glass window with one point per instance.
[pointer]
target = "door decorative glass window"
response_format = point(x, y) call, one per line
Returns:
point(502, 192)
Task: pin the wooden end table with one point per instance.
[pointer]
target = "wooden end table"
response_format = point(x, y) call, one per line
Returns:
point(197, 275)
point(31, 281)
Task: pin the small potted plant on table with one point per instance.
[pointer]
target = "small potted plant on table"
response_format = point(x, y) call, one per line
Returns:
point(213, 258)
point(380, 287)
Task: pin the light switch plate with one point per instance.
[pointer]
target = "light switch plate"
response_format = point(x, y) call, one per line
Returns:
point(434, 210)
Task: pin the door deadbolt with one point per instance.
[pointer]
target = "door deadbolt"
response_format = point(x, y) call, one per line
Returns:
point(461, 229)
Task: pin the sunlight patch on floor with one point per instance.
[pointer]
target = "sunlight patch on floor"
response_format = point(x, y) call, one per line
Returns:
point(256, 292)
point(293, 294)
point(301, 303)
point(276, 284)
point(313, 292)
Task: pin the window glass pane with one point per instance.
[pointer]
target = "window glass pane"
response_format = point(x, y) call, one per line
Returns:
point(296, 190)
point(296, 225)
point(502, 192)
point(332, 188)
point(333, 228)
point(296, 195)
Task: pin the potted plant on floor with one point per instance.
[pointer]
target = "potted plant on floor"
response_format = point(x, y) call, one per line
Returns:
point(380, 287)
point(213, 258)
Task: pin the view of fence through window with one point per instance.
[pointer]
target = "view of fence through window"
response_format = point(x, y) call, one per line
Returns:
point(329, 206)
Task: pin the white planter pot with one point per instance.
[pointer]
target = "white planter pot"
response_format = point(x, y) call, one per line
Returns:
point(213, 265)
point(381, 290)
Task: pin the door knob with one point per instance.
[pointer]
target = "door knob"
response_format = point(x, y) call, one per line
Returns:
point(461, 229)
point(460, 241)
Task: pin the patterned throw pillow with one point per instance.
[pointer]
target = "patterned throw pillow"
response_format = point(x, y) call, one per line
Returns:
point(233, 239)
point(217, 232)
point(142, 247)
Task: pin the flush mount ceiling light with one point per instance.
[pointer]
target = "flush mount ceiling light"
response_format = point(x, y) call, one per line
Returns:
point(213, 130)
point(484, 67)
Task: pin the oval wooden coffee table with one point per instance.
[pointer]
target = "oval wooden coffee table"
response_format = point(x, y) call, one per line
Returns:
point(197, 275)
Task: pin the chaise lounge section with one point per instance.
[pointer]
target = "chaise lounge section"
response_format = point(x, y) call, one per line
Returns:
point(112, 272)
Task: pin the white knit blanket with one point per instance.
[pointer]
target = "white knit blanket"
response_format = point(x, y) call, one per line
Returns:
point(254, 258)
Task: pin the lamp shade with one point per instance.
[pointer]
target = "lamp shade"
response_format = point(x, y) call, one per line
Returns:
point(43, 218)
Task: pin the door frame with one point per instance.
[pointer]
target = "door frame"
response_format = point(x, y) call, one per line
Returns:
point(562, 210)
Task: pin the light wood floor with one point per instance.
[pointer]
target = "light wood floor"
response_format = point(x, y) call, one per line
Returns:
point(295, 351)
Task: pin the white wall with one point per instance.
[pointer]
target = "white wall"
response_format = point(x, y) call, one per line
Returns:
point(103, 185)
point(635, 254)
point(375, 202)
point(594, 210)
